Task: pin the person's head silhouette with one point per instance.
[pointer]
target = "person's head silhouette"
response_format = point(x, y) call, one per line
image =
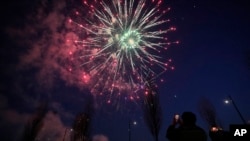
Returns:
point(188, 118)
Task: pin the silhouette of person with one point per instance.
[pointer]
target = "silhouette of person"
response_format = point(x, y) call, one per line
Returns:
point(187, 129)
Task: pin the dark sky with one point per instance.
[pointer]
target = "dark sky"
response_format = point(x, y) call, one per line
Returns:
point(210, 62)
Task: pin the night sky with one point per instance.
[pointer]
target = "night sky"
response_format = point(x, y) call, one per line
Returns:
point(210, 62)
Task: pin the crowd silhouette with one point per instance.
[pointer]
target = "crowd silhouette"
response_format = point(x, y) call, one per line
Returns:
point(185, 129)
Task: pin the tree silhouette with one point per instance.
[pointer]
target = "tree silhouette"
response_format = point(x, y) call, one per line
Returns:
point(82, 123)
point(33, 127)
point(152, 109)
point(81, 127)
point(208, 113)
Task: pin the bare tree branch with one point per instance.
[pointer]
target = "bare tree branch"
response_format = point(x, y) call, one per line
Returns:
point(152, 109)
point(82, 123)
point(35, 124)
point(208, 113)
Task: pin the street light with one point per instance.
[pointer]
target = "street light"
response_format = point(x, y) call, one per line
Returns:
point(226, 101)
point(230, 100)
point(134, 123)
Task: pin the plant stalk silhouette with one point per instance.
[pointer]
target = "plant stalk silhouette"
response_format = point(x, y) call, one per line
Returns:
point(152, 109)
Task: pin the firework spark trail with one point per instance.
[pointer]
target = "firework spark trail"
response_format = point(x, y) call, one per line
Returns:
point(123, 43)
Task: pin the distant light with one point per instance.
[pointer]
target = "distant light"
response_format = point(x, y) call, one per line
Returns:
point(134, 123)
point(226, 101)
point(214, 129)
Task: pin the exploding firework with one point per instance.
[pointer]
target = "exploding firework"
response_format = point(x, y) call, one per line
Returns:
point(122, 42)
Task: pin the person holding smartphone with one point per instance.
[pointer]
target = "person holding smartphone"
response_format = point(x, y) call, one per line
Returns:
point(185, 129)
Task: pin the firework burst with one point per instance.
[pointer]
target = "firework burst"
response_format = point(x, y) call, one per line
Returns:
point(122, 42)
